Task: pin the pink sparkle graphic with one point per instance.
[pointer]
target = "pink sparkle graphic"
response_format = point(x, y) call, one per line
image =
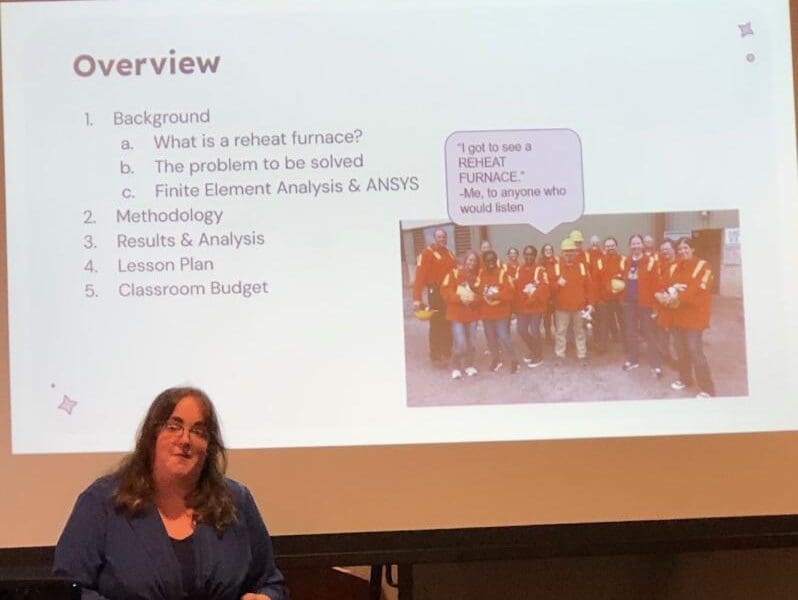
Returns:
point(67, 404)
point(750, 57)
point(745, 29)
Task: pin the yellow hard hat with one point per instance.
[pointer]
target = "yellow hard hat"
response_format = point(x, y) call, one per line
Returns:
point(425, 314)
point(568, 244)
point(576, 236)
point(617, 285)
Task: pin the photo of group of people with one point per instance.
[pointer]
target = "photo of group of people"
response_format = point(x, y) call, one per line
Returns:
point(612, 307)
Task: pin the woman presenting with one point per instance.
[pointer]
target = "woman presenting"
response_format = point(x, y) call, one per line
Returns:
point(167, 524)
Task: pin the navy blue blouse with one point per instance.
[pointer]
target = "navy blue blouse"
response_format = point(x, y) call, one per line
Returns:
point(115, 557)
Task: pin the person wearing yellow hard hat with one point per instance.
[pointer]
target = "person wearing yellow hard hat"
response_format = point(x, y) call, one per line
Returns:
point(608, 273)
point(578, 239)
point(461, 290)
point(434, 263)
point(573, 299)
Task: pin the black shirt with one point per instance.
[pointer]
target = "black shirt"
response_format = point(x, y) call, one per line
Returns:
point(184, 551)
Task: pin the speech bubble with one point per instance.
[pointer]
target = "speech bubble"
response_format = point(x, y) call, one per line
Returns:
point(514, 176)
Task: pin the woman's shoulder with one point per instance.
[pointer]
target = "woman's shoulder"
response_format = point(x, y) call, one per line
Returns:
point(238, 491)
point(99, 495)
point(243, 500)
point(102, 487)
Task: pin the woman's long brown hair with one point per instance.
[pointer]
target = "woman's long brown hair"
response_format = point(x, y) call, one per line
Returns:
point(211, 500)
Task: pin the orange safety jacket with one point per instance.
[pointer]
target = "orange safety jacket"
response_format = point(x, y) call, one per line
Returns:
point(548, 264)
point(578, 290)
point(434, 263)
point(456, 309)
point(664, 313)
point(695, 300)
point(524, 303)
point(593, 255)
point(647, 278)
point(583, 256)
point(512, 269)
point(605, 269)
point(663, 267)
point(498, 306)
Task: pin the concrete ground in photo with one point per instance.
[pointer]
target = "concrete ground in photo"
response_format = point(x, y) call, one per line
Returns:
point(600, 379)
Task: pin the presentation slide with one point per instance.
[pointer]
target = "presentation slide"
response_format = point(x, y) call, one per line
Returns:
point(321, 213)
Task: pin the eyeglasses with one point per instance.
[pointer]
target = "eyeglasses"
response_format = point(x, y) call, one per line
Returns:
point(176, 428)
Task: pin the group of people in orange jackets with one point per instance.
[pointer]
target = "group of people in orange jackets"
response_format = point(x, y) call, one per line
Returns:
point(660, 295)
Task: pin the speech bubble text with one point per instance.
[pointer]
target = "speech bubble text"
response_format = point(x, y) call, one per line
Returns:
point(529, 176)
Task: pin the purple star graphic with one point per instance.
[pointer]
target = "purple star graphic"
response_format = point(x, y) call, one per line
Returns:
point(67, 404)
point(745, 29)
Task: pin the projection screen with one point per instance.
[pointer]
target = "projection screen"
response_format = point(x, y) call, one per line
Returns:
point(247, 197)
